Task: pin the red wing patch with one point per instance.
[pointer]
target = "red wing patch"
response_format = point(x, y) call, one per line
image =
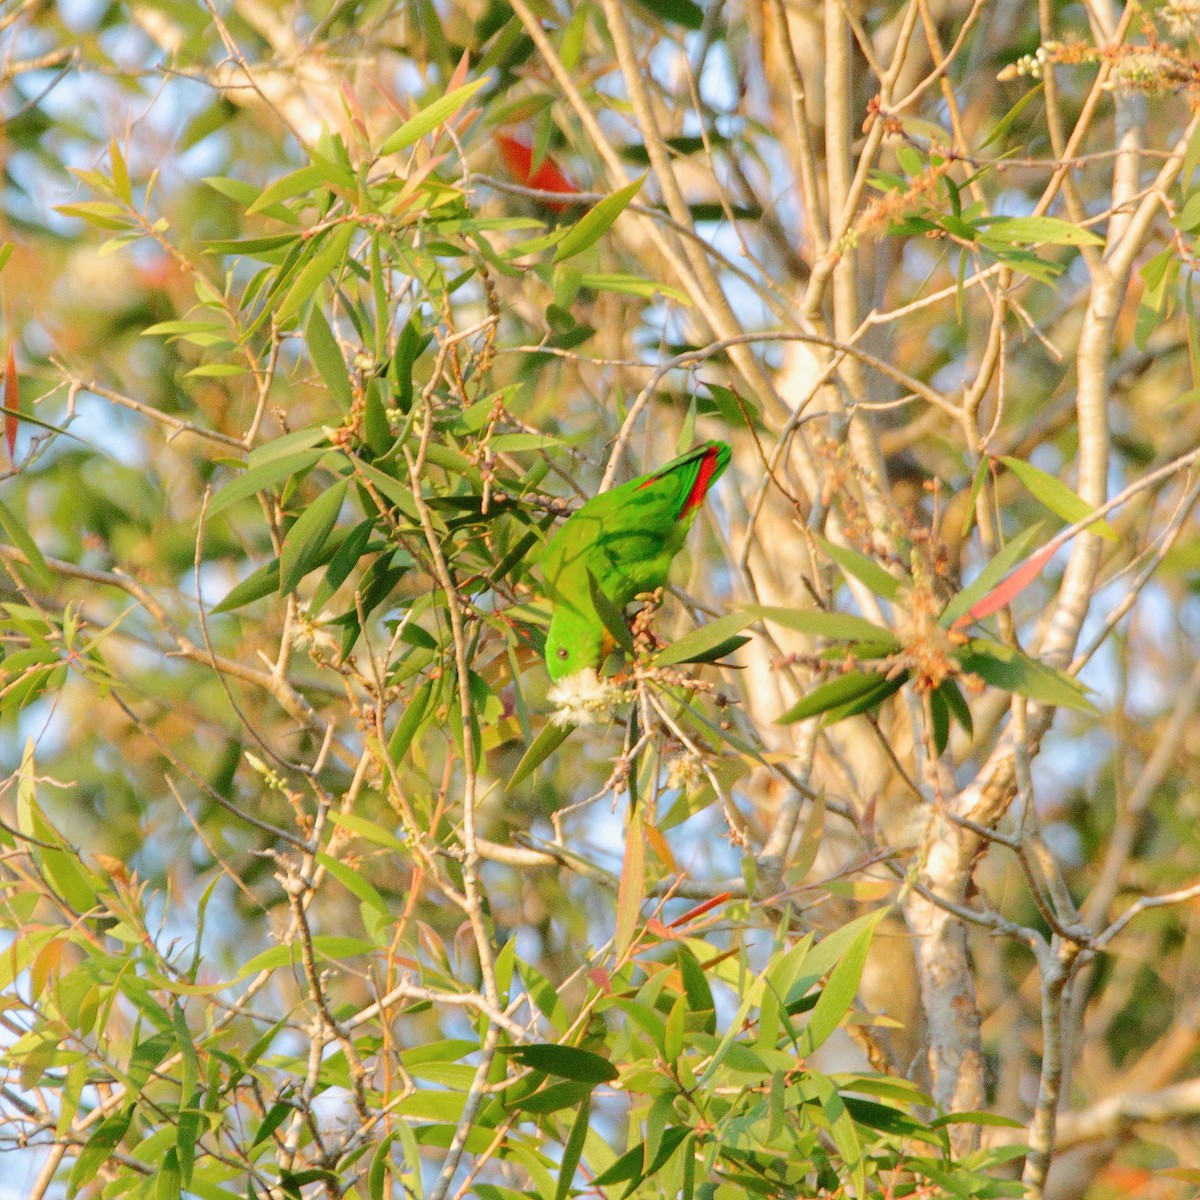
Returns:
point(518, 159)
point(703, 478)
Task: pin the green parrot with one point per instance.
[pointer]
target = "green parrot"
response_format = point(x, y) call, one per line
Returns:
point(626, 538)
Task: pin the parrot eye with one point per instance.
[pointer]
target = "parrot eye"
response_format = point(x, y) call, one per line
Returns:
point(563, 652)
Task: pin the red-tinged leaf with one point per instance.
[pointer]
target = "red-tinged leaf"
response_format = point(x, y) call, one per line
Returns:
point(659, 930)
point(460, 72)
point(12, 405)
point(700, 909)
point(1006, 592)
point(658, 843)
point(518, 160)
point(354, 108)
point(632, 885)
point(599, 976)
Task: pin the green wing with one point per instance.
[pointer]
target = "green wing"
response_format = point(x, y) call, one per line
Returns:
point(627, 537)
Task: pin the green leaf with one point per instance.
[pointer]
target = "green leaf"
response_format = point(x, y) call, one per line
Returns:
point(572, 1151)
point(555, 1097)
point(263, 248)
point(396, 490)
point(865, 570)
point(409, 345)
point(837, 627)
point(353, 882)
point(430, 117)
point(1028, 264)
point(215, 371)
point(629, 1166)
point(377, 433)
point(889, 1120)
point(176, 328)
point(327, 358)
point(99, 1149)
point(841, 627)
point(1188, 219)
point(544, 995)
point(352, 549)
point(1033, 231)
point(981, 473)
point(940, 716)
point(976, 1118)
point(516, 442)
point(838, 993)
point(735, 409)
point(549, 738)
point(1191, 160)
point(314, 272)
point(305, 541)
point(409, 723)
point(1056, 496)
point(676, 12)
point(611, 617)
point(288, 444)
point(568, 1062)
point(276, 1115)
point(1012, 671)
point(306, 179)
point(632, 885)
point(147, 1055)
point(702, 644)
point(256, 585)
point(16, 534)
point(1008, 120)
point(519, 550)
point(97, 213)
point(370, 831)
point(596, 221)
point(910, 160)
point(674, 1030)
point(956, 704)
point(168, 1185)
point(843, 696)
point(327, 946)
point(718, 652)
point(993, 571)
point(262, 476)
point(634, 285)
point(811, 839)
point(1158, 273)
point(377, 1172)
point(695, 986)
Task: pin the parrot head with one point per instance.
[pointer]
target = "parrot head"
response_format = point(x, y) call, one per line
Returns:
point(572, 644)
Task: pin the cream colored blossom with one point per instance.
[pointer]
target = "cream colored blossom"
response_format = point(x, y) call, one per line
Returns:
point(685, 771)
point(309, 630)
point(1182, 17)
point(584, 698)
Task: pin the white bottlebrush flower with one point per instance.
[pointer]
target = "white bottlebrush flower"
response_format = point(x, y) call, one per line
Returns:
point(685, 771)
point(1182, 17)
point(308, 630)
point(584, 698)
